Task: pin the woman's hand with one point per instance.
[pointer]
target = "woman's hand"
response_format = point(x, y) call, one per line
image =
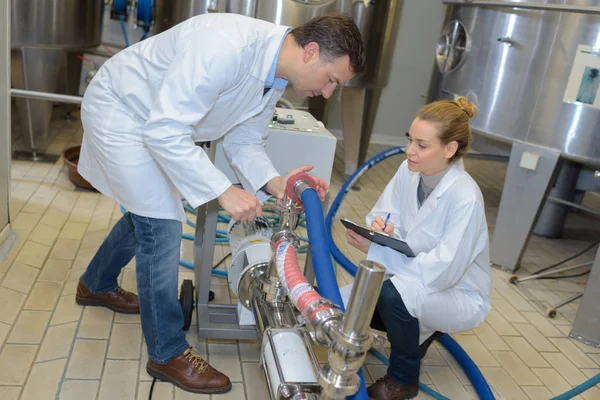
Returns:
point(355, 240)
point(378, 224)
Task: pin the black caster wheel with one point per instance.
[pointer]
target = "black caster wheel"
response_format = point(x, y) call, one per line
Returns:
point(513, 279)
point(186, 299)
point(551, 313)
point(211, 295)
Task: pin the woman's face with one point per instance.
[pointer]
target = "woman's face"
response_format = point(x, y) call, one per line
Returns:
point(425, 152)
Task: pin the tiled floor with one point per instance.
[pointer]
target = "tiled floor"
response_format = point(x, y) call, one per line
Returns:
point(52, 348)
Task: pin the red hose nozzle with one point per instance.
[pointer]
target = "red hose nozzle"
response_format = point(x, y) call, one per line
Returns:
point(291, 182)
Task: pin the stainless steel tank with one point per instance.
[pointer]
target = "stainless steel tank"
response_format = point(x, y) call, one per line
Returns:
point(45, 38)
point(521, 65)
point(171, 12)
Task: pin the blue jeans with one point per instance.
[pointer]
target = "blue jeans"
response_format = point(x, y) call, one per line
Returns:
point(155, 243)
point(403, 333)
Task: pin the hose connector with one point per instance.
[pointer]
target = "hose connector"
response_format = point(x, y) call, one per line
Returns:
point(297, 184)
point(351, 338)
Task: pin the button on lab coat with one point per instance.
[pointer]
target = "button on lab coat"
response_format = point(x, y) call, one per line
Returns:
point(447, 286)
point(149, 104)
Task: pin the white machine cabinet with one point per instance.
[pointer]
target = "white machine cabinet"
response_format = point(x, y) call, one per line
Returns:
point(296, 138)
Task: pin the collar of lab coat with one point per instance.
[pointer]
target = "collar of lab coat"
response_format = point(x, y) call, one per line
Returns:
point(419, 214)
point(275, 41)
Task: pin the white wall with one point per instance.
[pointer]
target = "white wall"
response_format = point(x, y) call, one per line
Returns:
point(413, 59)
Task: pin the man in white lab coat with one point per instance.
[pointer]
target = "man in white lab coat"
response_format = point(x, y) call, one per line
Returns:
point(213, 75)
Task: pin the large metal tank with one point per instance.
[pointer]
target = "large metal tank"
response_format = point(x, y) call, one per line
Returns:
point(45, 38)
point(533, 68)
point(524, 67)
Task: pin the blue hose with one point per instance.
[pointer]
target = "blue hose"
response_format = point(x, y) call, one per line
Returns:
point(469, 367)
point(124, 29)
point(323, 265)
point(337, 254)
point(590, 383)
point(319, 249)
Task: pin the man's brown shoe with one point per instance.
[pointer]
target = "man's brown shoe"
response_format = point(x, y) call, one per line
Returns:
point(190, 373)
point(119, 300)
point(388, 389)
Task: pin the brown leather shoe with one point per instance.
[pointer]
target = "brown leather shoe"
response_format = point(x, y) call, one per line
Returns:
point(388, 389)
point(191, 373)
point(119, 300)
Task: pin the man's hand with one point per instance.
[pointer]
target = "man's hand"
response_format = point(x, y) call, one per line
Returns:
point(355, 240)
point(276, 186)
point(242, 205)
point(378, 224)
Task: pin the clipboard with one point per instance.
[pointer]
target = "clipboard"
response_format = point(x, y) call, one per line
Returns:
point(380, 238)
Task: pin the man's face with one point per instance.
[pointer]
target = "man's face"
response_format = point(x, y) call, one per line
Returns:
point(317, 75)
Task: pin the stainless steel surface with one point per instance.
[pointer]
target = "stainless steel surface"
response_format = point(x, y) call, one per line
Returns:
point(553, 215)
point(454, 46)
point(35, 69)
point(30, 94)
point(42, 31)
point(4, 118)
point(554, 271)
point(353, 115)
point(584, 9)
point(586, 327)
point(573, 205)
point(246, 281)
point(520, 86)
point(269, 315)
point(292, 12)
point(286, 389)
point(367, 88)
point(363, 299)
point(522, 196)
point(64, 24)
point(353, 337)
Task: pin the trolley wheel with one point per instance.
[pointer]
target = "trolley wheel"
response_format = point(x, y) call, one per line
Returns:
point(186, 299)
point(211, 295)
point(551, 312)
point(513, 279)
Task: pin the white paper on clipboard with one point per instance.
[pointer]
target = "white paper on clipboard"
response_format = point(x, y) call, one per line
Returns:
point(584, 81)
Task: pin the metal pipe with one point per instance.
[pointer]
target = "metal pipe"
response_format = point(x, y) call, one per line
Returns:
point(30, 94)
point(556, 271)
point(351, 340)
point(363, 299)
point(527, 6)
point(573, 205)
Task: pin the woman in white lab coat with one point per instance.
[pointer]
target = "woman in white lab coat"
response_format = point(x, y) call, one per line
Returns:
point(437, 208)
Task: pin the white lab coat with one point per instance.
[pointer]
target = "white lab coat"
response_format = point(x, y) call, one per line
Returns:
point(447, 286)
point(148, 104)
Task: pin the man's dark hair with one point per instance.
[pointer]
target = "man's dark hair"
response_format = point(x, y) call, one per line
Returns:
point(337, 35)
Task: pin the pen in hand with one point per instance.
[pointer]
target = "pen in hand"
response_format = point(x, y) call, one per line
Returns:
point(386, 221)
